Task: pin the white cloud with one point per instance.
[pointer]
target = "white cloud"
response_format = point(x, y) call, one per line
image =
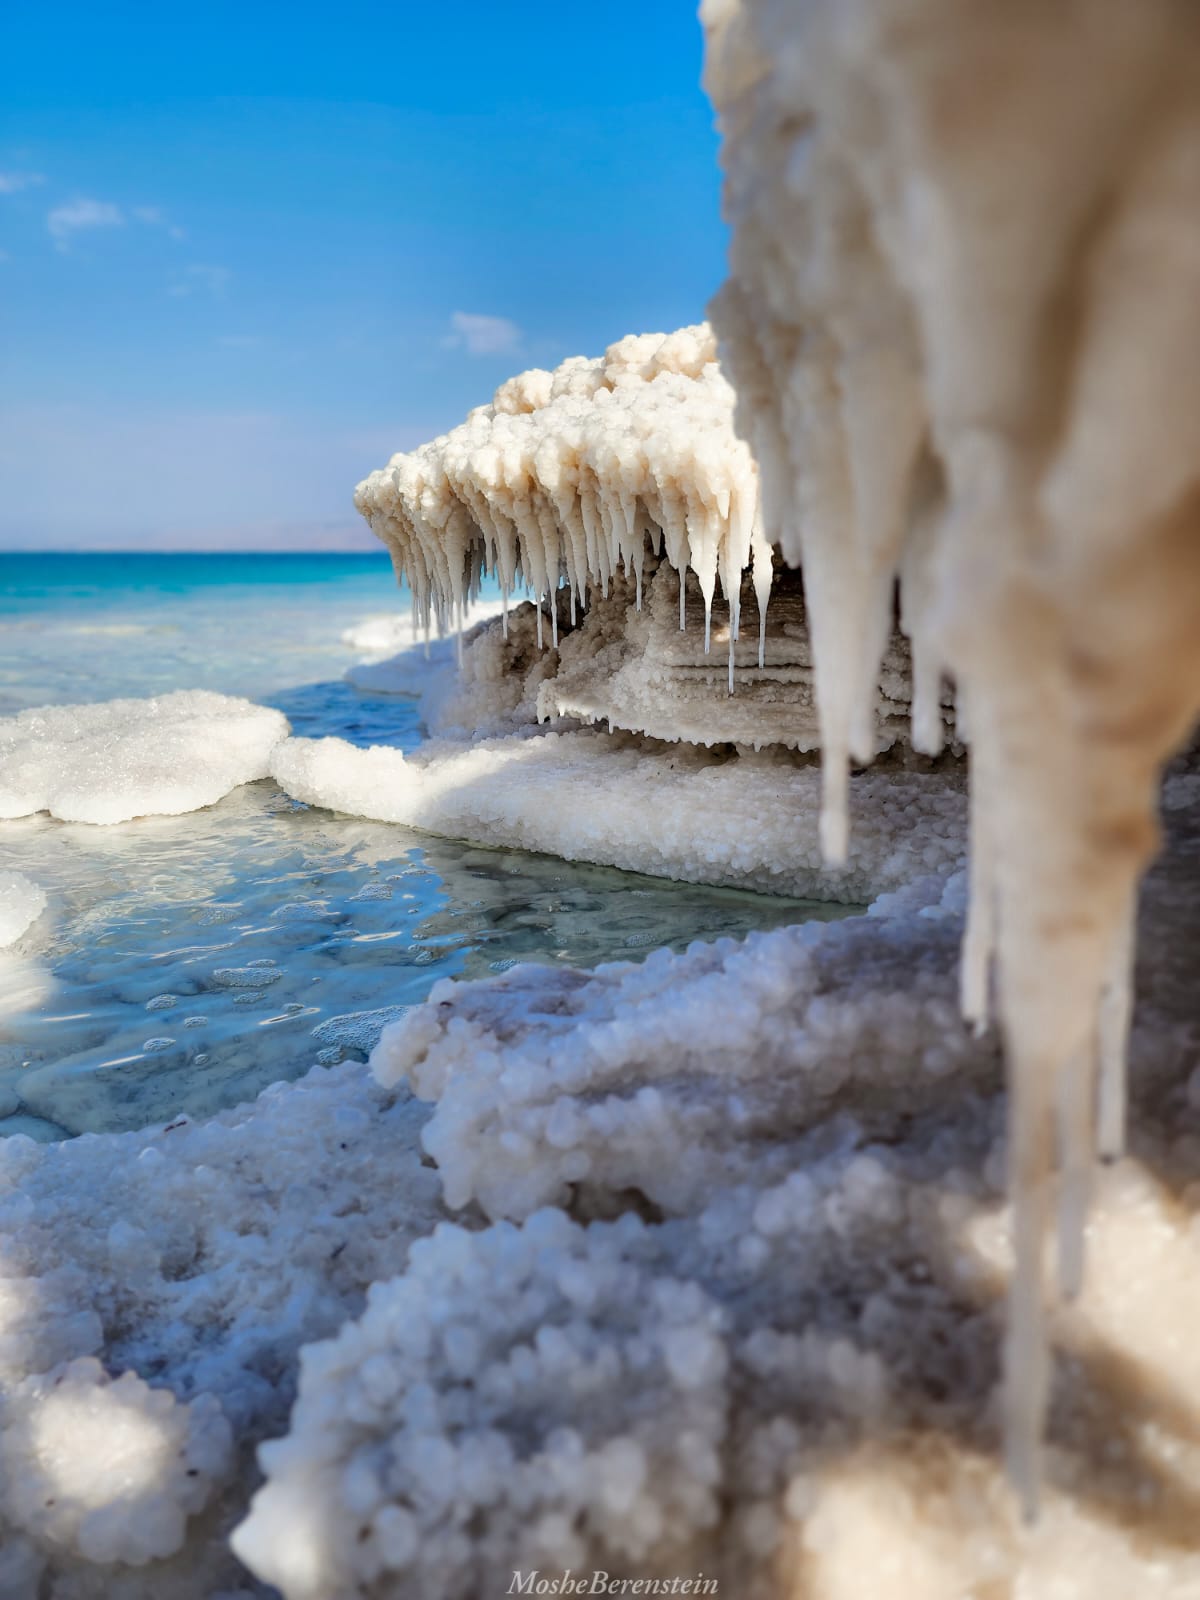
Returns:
point(197, 277)
point(14, 182)
point(482, 336)
point(67, 220)
point(155, 217)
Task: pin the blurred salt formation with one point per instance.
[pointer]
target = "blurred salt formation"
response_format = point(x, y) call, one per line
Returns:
point(21, 903)
point(961, 319)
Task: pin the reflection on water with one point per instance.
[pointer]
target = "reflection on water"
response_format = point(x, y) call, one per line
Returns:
point(186, 962)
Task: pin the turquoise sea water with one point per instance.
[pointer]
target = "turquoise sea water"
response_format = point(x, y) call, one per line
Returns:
point(61, 581)
point(117, 1008)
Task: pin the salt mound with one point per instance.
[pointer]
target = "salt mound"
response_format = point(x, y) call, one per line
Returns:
point(21, 904)
point(381, 1489)
point(133, 758)
point(193, 1261)
point(110, 1471)
point(667, 1076)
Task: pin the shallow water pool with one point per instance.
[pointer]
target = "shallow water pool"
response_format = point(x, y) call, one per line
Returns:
point(184, 963)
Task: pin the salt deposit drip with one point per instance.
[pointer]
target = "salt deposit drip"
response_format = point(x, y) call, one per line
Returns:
point(1026, 1354)
point(1040, 250)
point(979, 936)
point(1076, 1110)
point(1116, 1007)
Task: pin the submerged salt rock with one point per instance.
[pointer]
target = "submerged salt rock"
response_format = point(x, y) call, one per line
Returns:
point(21, 903)
point(121, 759)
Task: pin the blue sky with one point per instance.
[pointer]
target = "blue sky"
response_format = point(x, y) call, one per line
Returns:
point(247, 251)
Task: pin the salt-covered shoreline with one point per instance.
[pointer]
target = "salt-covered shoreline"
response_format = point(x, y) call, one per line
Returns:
point(799, 1310)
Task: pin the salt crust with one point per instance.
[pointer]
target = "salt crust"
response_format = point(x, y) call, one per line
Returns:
point(190, 1264)
point(668, 810)
point(21, 903)
point(120, 759)
point(778, 1366)
point(775, 1362)
point(635, 668)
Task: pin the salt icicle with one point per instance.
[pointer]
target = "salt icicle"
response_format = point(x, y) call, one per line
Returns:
point(1076, 1155)
point(1026, 1357)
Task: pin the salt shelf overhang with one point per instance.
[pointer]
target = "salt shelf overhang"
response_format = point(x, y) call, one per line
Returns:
point(617, 487)
point(578, 472)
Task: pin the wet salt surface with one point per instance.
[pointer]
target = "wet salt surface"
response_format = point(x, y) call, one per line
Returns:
point(184, 963)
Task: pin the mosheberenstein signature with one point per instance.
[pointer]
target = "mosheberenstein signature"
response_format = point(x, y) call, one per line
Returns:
point(598, 1582)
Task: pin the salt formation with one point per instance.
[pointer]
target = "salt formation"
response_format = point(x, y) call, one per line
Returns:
point(120, 759)
point(604, 1080)
point(668, 810)
point(770, 1358)
point(636, 669)
point(772, 1365)
point(413, 1364)
point(961, 323)
point(21, 904)
point(592, 484)
point(189, 1264)
point(108, 1471)
point(575, 473)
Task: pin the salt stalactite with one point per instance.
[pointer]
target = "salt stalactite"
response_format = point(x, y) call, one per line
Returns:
point(570, 473)
point(968, 236)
